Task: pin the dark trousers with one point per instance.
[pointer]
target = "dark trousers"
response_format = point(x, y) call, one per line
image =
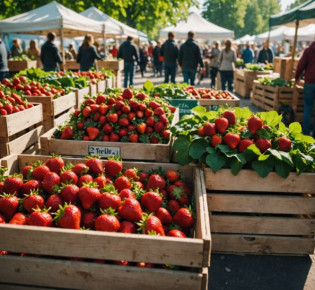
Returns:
point(189, 74)
point(129, 71)
point(227, 77)
point(213, 75)
point(158, 68)
point(309, 96)
point(170, 70)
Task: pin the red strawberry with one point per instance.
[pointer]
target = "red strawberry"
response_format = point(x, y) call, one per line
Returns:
point(68, 176)
point(53, 202)
point(284, 144)
point(166, 134)
point(67, 133)
point(183, 217)
point(156, 181)
point(85, 179)
point(113, 118)
point(69, 193)
point(33, 201)
point(80, 169)
point(158, 126)
point(86, 111)
point(95, 165)
point(26, 170)
point(128, 227)
point(173, 205)
point(216, 140)
point(130, 210)
point(201, 132)
point(88, 220)
point(55, 164)
point(244, 144)
point(19, 219)
point(51, 179)
point(141, 96)
point(69, 217)
point(8, 205)
point(127, 193)
point(13, 184)
point(103, 109)
point(221, 124)
point(40, 218)
point(108, 128)
point(40, 172)
point(263, 144)
point(164, 216)
point(93, 132)
point(232, 140)
point(158, 111)
point(88, 195)
point(134, 138)
point(127, 94)
point(113, 167)
point(208, 129)
point(101, 181)
point(122, 182)
point(183, 185)
point(132, 173)
point(30, 185)
point(176, 233)
point(100, 99)
point(254, 124)
point(113, 137)
point(2, 219)
point(107, 223)
point(154, 104)
point(151, 201)
point(141, 128)
point(230, 116)
point(108, 200)
point(179, 194)
point(172, 176)
point(151, 224)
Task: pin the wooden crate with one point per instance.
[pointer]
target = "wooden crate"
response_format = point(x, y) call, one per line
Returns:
point(282, 65)
point(72, 65)
point(114, 65)
point(101, 86)
point(127, 150)
point(80, 94)
point(254, 215)
point(244, 79)
point(93, 89)
point(110, 82)
point(54, 121)
point(18, 65)
point(235, 102)
point(191, 253)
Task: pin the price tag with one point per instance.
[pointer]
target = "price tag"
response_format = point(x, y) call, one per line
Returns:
point(184, 106)
point(104, 151)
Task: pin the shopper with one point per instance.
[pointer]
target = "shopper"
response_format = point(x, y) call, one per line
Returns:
point(16, 49)
point(128, 52)
point(307, 65)
point(169, 51)
point(214, 63)
point(248, 54)
point(73, 51)
point(265, 54)
point(189, 58)
point(157, 59)
point(143, 54)
point(87, 54)
point(50, 55)
point(4, 70)
point(33, 52)
point(114, 51)
point(227, 65)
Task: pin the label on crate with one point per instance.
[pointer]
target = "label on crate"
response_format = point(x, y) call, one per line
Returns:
point(184, 106)
point(104, 151)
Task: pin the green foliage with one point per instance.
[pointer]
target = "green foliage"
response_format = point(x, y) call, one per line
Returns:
point(279, 82)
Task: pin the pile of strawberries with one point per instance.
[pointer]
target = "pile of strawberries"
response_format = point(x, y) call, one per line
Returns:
point(205, 93)
point(93, 76)
point(121, 117)
point(32, 88)
point(97, 195)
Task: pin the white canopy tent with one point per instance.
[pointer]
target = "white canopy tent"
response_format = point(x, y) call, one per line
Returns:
point(246, 38)
point(203, 29)
point(306, 33)
point(277, 34)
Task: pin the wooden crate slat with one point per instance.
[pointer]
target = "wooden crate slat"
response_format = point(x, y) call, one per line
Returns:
point(101, 86)
point(18, 65)
point(54, 121)
point(80, 94)
point(93, 89)
point(261, 244)
point(209, 102)
point(272, 204)
point(83, 275)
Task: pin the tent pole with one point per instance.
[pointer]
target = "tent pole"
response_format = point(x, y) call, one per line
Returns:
point(104, 38)
point(294, 47)
point(62, 48)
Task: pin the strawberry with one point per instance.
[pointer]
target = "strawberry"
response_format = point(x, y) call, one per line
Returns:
point(113, 118)
point(126, 109)
point(151, 201)
point(122, 182)
point(88, 220)
point(254, 124)
point(230, 116)
point(179, 194)
point(153, 105)
point(100, 99)
point(113, 137)
point(19, 219)
point(141, 128)
point(94, 108)
point(263, 144)
point(69, 193)
point(164, 216)
point(85, 179)
point(103, 109)
point(95, 165)
point(68, 176)
point(216, 140)
point(108, 200)
point(30, 185)
point(13, 184)
point(244, 144)
point(107, 222)
point(51, 179)
point(176, 233)
point(141, 96)
point(2, 219)
point(53, 202)
point(55, 164)
point(88, 195)
point(127, 94)
point(80, 169)
point(132, 173)
point(33, 201)
point(9, 204)
point(128, 227)
point(284, 144)
point(40, 218)
point(26, 170)
point(158, 126)
point(183, 185)
point(232, 140)
point(86, 112)
point(134, 138)
point(151, 224)
point(183, 217)
point(123, 122)
point(201, 132)
point(67, 133)
point(166, 134)
point(40, 171)
point(113, 167)
point(93, 132)
point(156, 181)
point(221, 124)
point(158, 111)
point(101, 181)
point(127, 193)
point(173, 205)
point(68, 216)
point(130, 210)
point(208, 129)
point(172, 176)
point(108, 128)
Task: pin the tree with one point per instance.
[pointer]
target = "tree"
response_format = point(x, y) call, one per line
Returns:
point(253, 20)
point(295, 4)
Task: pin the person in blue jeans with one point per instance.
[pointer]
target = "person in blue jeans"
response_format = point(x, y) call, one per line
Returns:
point(307, 64)
point(4, 70)
point(128, 52)
point(169, 51)
point(189, 58)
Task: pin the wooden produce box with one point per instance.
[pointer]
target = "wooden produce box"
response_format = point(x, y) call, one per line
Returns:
point(254, 215)
point(282, 65)
point(18, 65)
point(191, 253)
point(235, 102)
point(114, 65)
point(54, 108)
point(244, 79)
point(80, 94)
point(72, 65)
point(101, 86)
point(110, 82)
point(54, 121)
point(127, 150)
point(93, 89)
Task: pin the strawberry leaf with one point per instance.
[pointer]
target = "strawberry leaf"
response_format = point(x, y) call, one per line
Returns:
point(215, 161)
point(263, 168)
point(198, 148)
point(282, 168)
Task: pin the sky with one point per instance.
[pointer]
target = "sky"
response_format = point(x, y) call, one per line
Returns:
point(284, 5)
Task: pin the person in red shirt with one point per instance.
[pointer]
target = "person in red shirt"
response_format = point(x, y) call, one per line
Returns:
point(150, 50)
point(307, 64)
point(114, 51)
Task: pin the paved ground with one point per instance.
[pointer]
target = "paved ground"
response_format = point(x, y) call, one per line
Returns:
point(251, 272)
